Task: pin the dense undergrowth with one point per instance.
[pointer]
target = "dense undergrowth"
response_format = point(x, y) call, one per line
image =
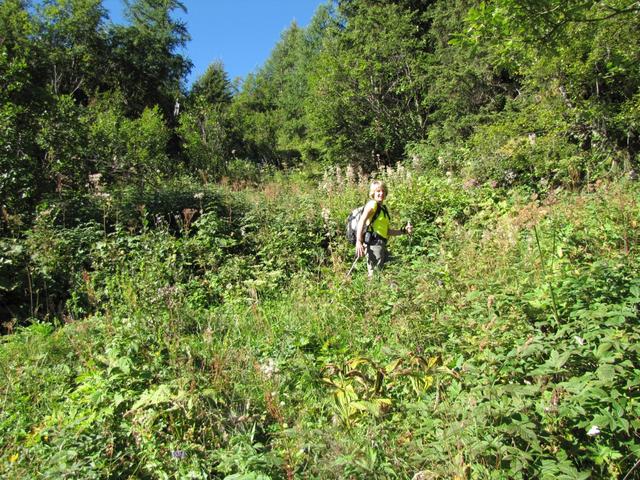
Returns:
point(221, 338)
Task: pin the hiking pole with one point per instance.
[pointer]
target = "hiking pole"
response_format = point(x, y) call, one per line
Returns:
point(354, 264)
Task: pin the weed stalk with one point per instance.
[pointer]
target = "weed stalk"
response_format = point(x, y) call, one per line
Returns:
point(544, 269)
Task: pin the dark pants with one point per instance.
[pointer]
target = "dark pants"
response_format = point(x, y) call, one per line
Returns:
point(377, 255)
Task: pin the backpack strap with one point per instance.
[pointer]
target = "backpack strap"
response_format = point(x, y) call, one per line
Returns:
point(386, 212)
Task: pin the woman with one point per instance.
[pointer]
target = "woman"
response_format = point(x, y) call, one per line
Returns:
point(373, 229)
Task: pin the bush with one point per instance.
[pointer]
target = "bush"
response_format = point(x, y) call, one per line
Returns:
point(127, 150)
point(207, 139)
point(59, 259)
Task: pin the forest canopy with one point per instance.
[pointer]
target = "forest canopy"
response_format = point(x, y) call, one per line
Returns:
point(500, 91)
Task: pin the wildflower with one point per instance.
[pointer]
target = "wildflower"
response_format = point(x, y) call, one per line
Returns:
point(168, 295)
point(269, 368)
point(94, 181)
point(470, 183)
point(94, 178)
point(179, 454)
point(490, 301)
point(199, 195)
point(104, 195)
point(325, 214)
point(350, 174)
point(208, 335)
point(579, 340)
point(510, 176)
point(594, 431)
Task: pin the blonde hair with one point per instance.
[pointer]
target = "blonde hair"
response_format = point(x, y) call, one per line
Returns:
point(375, 185)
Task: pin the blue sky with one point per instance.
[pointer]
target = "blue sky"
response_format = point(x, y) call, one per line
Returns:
point(239, 33)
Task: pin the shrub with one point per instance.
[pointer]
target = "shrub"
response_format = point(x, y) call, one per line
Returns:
point(127, 150)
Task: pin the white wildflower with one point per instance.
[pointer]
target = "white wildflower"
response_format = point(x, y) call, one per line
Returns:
point(579, 340)
point(325, 214)
point(350, 174)
point(594, 431)
point(510, 176)
point(103, 195)
point(269, 368)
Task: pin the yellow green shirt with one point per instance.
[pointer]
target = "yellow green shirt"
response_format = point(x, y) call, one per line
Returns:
point(381, 224)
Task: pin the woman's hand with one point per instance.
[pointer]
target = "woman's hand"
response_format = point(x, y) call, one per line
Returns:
point(408, 228)
point(359, 249)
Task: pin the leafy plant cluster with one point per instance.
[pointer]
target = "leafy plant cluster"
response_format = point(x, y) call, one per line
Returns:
point(501, 343)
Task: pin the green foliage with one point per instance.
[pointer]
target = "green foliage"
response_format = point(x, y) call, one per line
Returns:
point(107, 137)
point(287, 240)
point(140, 209)
point(531, 145)
point(365, 104)
point(156, 326)
point(466, 88)
point(213, 87)
point(20, 97)
point(207, 136)
point(206, 127)
point(18, 182)
point(147, 146)
point(62, 136)
point(58, 260)
point(124, 150)
point(144, 62)
point(576, 57)
point(269, 109)
point(61, 68)
point(501, 341)
point(73, 35)
point(13, 281)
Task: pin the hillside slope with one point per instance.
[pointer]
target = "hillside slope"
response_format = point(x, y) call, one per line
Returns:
point(502, 342)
